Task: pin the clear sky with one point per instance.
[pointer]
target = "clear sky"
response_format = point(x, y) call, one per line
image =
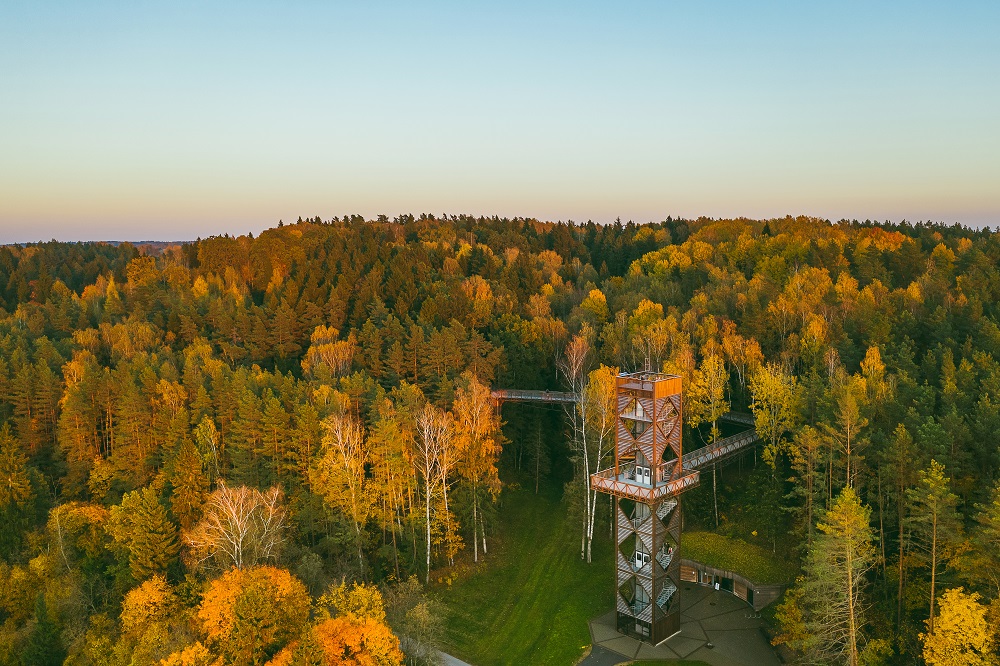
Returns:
point(171, 120)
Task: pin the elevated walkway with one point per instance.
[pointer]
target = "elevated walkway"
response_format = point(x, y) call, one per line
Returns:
point(618, 485)
point(719, 450)
point(624, 485)
point(501, 396)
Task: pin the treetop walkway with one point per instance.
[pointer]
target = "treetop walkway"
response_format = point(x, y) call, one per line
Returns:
point(501, 396)
point(691, 461)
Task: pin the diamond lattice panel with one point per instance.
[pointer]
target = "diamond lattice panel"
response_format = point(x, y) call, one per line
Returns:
point(624, 440)
point(622, 606)
point(646, 614)
point(646, 434)
point(624, 569)
point(624, 525)
point(647, 450)
point(645, 530)
point(637, 428)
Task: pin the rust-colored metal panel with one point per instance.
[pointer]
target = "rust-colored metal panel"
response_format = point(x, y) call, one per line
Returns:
point(649, 419)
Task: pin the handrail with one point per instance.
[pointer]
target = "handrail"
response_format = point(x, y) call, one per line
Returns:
point(720, 449)
point(607, 481)
point(738, 417)
point(523, 395)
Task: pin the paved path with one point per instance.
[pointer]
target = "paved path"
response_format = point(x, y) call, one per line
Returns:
point(707, 617)
point(449, 660)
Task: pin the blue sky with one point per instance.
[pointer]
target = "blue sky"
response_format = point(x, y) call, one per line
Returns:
point(174, 120)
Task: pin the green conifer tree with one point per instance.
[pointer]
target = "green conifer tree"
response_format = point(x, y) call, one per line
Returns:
point(44, 647)
point(934, 523)
point(141, 528)
point(823, 615)
point(189, 482)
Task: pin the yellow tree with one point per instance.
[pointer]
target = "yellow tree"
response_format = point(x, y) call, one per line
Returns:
point(706, 403)
point(154, 624)
point(878, 387)
point(328, 356)
point(773, 405)
point(339, 474)
point(962, 636)
point(848, 423)
point(478, 445)
point(601, 398)
point(742, 353)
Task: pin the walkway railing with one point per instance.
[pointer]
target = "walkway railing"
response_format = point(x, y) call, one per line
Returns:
point(607, 482)
point(738, 417)
point(518, 395)
point(719, 450)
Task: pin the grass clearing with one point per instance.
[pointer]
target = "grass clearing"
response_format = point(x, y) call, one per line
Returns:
point(746, 559)
point(531, 600)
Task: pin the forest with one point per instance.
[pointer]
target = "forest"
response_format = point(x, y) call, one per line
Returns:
point(270, 449)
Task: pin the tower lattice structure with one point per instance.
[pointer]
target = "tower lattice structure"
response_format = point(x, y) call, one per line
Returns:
point(647, 479)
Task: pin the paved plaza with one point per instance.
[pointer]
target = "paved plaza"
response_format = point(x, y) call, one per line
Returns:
point(708, 617)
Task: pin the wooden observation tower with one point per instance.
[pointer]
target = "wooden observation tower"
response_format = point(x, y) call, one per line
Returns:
point(648, 477)
point(646, 480)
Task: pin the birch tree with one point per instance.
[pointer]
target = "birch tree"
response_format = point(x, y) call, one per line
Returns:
point(601, 397)
point(478, 443)
point(392, 481)
point(240, 527)
point(434, 428)
point(339, 474)
point(573, 366)
point(707, 403)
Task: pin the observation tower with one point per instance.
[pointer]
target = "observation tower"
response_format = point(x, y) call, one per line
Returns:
point(647, 479)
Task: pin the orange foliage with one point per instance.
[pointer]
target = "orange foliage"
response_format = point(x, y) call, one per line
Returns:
point(263, 607)
point(357, 643)
point(195, 654)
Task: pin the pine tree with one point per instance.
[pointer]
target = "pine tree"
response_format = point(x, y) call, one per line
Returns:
point(804, 455)
point(825, 619)
point(189, 482)
point(15, 484)
point(16, 493)
point(901, 472)
point(44, 646)
point(141, 528)
point(935, 523)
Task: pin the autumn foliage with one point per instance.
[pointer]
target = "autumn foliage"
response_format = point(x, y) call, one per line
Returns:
point(196, 439)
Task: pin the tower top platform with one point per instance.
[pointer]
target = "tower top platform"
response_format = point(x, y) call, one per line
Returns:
point(657, 383)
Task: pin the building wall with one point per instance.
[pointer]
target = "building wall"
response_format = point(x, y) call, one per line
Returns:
point(763, 595)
